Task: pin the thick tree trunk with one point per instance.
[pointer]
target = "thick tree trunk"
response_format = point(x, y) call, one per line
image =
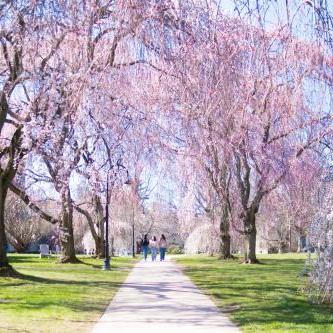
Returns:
point(250, 237)
point(67, 242)
point(99, 247)
point(7, 175)
point(5, 268)
point(225, 249)
point(67, 233)
point(251, 247)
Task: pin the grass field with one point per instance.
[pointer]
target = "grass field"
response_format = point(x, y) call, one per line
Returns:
point(57, 298)
point(260, 298)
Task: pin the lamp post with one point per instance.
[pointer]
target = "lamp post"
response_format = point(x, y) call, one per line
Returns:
point(130, 183)
point(133, 239)
point(106, 265)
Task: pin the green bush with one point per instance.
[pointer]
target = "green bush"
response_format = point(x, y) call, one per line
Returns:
point(175, 249)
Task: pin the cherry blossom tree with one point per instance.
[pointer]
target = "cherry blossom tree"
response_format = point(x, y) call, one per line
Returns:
point(211, 182)
point(248, 88)
point(287, 213)
point(320, 287)
point(105, 91)
point(20, 61)
point(69, 51)
point(23, 226)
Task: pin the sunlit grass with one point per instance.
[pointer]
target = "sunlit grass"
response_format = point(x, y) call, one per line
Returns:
point(52, 297)
point(261, 298)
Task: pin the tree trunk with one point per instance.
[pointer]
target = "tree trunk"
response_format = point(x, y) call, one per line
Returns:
point(7, 175)
point(112, 253)
point(99, 222)
point(225, 252)
point(5, 268)
point(225, 247)
point(250, 237)
point(67, 234)
point(99, 247)
point(96, 226)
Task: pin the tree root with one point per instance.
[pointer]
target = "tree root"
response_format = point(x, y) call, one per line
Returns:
point(69, 260)
point(229, 257)
point(251, 261)
point(9, 271)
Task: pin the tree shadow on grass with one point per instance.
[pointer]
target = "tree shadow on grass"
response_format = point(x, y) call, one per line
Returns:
point(42, 280)
point(15, 259)
point(92, 265)
point(269, 310)
point(48, 304)
point(293, 312)
point(49, 296)
point(112, 266)
point(262, 295)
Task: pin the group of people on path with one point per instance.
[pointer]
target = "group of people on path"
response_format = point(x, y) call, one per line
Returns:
point(154, 245)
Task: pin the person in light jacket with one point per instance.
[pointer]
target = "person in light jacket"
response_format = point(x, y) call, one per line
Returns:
point(163, 247)
point(153, 244)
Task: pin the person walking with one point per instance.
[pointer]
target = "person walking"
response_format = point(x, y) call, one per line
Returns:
point(145, 246)
point(163, 247)
point(153, 244)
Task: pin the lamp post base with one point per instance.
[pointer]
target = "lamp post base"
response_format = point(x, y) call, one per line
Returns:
point(106, 264)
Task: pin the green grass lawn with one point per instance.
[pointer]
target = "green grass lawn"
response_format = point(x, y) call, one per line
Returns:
point(260, 298)
point(58, 298)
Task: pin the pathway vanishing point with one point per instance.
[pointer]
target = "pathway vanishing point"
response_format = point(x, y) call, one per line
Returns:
point(158, 298)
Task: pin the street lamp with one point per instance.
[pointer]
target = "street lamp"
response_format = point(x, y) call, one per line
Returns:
point(129, 182)
point(106, 265)
point(133, 240)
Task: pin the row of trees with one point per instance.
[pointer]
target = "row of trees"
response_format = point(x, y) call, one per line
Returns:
point(252, 107)
point(68, 111)
point(106, 90)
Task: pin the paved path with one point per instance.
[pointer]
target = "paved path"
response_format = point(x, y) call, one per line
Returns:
point(158, 298)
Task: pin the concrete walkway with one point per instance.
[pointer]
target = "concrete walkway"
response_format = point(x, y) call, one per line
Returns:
point(158, 298)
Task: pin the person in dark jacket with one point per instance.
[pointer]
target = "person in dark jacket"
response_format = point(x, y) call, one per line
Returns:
point(145, 246)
